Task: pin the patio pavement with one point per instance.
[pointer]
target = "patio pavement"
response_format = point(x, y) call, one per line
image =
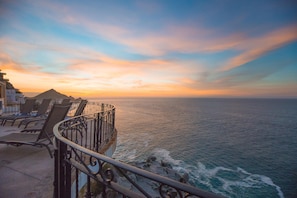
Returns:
point(25, 171)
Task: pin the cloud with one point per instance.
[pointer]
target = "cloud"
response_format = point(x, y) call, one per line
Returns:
point(7, 63)
point(82, 65)
point(252, 48)
point(171, 37)
point(86, 68)
point(124, 72)
point(187, 39)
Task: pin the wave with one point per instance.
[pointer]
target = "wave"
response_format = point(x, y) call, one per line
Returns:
point(221, 180)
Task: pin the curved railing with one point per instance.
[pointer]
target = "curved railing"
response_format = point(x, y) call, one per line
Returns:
point(83, 168)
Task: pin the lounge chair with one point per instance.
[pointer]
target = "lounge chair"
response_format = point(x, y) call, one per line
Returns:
point(39, 121)
point(80, 108)
point(42, 139)
point(43, 107)
point(65, 101)
point(25, 111)
point(41, 113)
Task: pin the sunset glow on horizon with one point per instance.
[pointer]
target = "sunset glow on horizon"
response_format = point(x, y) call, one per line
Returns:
point(151, 48)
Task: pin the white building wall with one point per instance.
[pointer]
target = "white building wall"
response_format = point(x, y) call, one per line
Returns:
point(1, 105)
point(19, 98)
point(11, 96)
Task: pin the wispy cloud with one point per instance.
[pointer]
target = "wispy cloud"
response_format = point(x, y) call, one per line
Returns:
point(255, 47)
point(170, 38)
point(186, 39)
point(75, 48)
point(173, 37)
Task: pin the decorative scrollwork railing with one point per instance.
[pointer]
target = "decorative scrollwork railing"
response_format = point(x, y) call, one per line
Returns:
point(82, 168)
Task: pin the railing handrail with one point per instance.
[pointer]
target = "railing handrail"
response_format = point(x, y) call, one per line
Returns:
point(133, 169)
point(155, 177)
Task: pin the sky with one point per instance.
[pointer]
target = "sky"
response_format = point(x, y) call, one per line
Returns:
point(161, 48)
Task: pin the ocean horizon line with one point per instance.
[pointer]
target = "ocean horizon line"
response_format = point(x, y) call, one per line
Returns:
point(189, 97)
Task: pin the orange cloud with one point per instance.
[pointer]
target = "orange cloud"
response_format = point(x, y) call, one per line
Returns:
point(256, 47)
point(174, 40)
point(93, 73)
point(176, 37)
point(7, 63)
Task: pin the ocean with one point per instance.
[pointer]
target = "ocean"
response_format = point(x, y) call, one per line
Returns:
point(232, 147)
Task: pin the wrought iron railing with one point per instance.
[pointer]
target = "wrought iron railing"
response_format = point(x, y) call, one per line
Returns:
point(82, 170)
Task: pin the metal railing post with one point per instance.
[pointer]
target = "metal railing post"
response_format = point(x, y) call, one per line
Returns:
point(67, 176)
point(62, 175)
point(56, 173)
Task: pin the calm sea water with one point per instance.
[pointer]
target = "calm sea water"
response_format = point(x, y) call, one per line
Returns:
point(234, 147)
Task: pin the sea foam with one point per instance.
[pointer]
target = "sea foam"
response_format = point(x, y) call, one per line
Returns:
point(221, 180)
